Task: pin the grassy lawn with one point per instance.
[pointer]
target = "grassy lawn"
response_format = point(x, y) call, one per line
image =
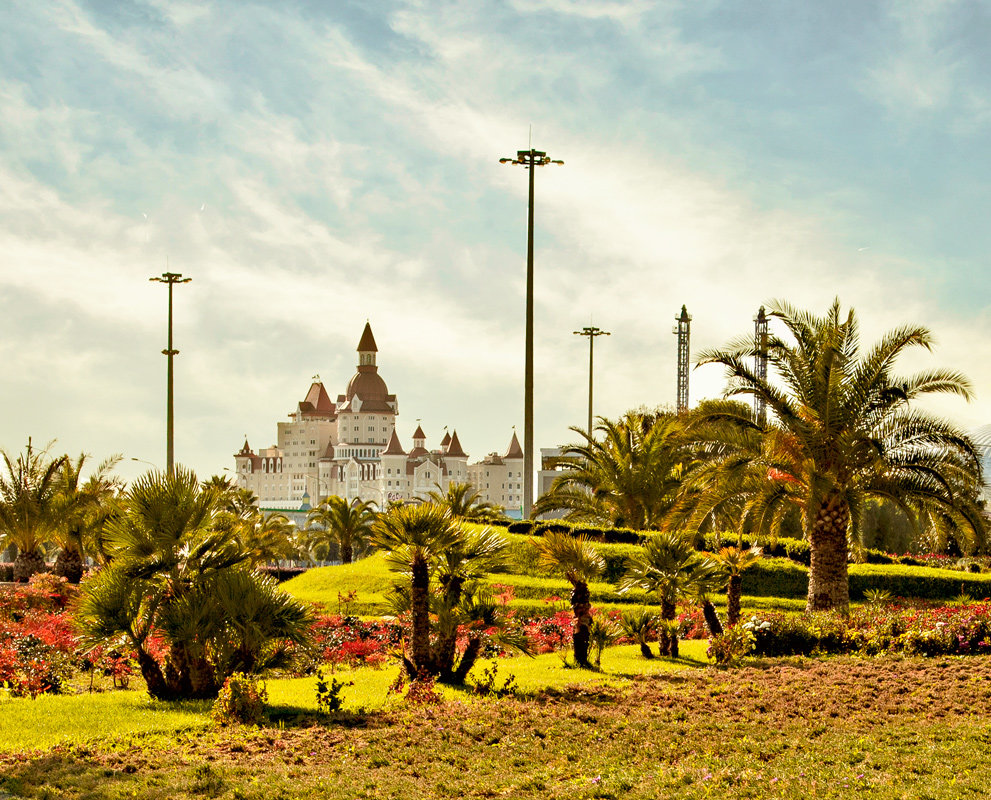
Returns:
point(796, 728)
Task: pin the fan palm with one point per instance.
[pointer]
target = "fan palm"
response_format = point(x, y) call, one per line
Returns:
point(346, 525)
point(735, 561)
point(415, 536)
point(81, 509)
point(627, 473)
point(581, 563)
point(464, 502)
point(669, 567)
point(840, 432)
point(174, 572)
point(29, 498)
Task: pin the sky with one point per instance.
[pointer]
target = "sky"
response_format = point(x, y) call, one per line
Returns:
point(313, 165)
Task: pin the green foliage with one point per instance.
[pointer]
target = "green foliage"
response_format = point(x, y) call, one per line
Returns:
point(330, 691)
point(241, 700)
point(487, 682)
point(602, 633)
point(730, 647)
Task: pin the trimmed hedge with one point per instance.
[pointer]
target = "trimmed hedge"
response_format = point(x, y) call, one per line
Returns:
point(598, 534)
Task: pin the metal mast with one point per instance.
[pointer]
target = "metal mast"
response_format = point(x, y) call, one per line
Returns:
point(171, 278)
point(760, 363)
point(529, 159)
point(591, 332)
point(683, 330)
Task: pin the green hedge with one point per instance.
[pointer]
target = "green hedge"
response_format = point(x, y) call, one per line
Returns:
point(775, 577)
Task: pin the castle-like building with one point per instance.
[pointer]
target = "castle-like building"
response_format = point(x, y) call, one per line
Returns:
point(350, 448)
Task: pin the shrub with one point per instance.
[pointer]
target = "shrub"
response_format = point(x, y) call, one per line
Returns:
point(731, 646)
point(329, 690)
point(522, 526)
point(6, 572)
point(241, 700)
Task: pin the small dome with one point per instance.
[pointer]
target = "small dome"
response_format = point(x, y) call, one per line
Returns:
point(369, 387)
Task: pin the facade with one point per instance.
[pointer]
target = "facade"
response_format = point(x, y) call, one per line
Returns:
point(499, 479)
point(350, 448)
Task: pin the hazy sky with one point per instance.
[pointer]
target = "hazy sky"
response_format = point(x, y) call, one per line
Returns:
point(311, 165)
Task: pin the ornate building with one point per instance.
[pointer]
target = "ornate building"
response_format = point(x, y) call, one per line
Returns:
point(350, 448)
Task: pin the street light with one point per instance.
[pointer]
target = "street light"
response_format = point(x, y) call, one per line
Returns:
point(529, 159)
point(591, 332)
point(170, 278)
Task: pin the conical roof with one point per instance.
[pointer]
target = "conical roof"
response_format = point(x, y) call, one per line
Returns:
point(514, 451)
point(394, 448)
point(454, 449)
point(418, 433)
point(317, 401)
point(367, 343)
point(446, 440)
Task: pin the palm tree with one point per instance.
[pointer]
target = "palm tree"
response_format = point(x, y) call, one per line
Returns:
point(735, 561)
point(29, 490)
point(840, 432)
point(415, 537)
point(269, 537)
point(671, 568)
point(174, 572)
point(640, 625)
point(581, 563)
point(626, 474)
point(465, 503)
point(345, 524)
point(81, 509)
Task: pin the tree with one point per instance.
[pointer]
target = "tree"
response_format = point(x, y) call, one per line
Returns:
point(581, 563)
point(669, 567)
point(81, 510)
point(415, 536)
point(175, 574)
point(626, 474)
point(840, 431)
point(347, 525)
point(735, 561)
point(29, 489)
point(465, 503)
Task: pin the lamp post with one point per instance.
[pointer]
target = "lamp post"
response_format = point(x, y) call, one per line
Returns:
point(529, 159)
point(591, 332)
point(170, 278)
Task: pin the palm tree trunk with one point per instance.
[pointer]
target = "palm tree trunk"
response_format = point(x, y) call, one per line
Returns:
point(420, 612)
point(152, 673)
point(581, 605)
point(447, 640)
point(69, 564)
point(347, 552)
point(829, 584)
point(711, 618)
point(667, 642)
point(468, 659)
point(734, 592)
point(27, 564)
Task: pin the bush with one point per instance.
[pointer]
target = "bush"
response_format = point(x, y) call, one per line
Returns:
point(241, 700)
point(523, 526)
point(6, 572)
point(329, 689)
point(730, 647)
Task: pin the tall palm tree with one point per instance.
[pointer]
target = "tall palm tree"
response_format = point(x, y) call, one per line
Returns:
point(345, 524)
point(581, 563)
point(671, 568)
point(415, 537)
point(81, 508)
point(174, 572)
point(465, 502)
point(29, 490)
point(840, 431)
point(627, 473)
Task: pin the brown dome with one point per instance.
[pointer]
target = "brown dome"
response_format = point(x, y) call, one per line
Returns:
point(369, 387)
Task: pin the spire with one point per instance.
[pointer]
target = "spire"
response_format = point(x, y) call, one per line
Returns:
point(446, 440)
point(367, 343)
point(394, 448)
point(419, 434)
point(514, 451)
point(454, 449)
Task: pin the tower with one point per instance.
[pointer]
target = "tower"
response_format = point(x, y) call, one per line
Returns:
point(760, 363)
point(683, 330)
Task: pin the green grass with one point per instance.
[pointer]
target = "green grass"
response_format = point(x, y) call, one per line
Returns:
point(54, 719)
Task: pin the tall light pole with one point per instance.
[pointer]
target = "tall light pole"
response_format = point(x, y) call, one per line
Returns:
point(591, 332)
point(170, 278)
point(529, 159)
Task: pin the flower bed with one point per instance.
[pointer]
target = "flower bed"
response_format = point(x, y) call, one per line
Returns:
point(914, 630)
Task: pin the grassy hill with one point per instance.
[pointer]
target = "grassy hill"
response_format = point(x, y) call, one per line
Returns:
point(773, 583)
